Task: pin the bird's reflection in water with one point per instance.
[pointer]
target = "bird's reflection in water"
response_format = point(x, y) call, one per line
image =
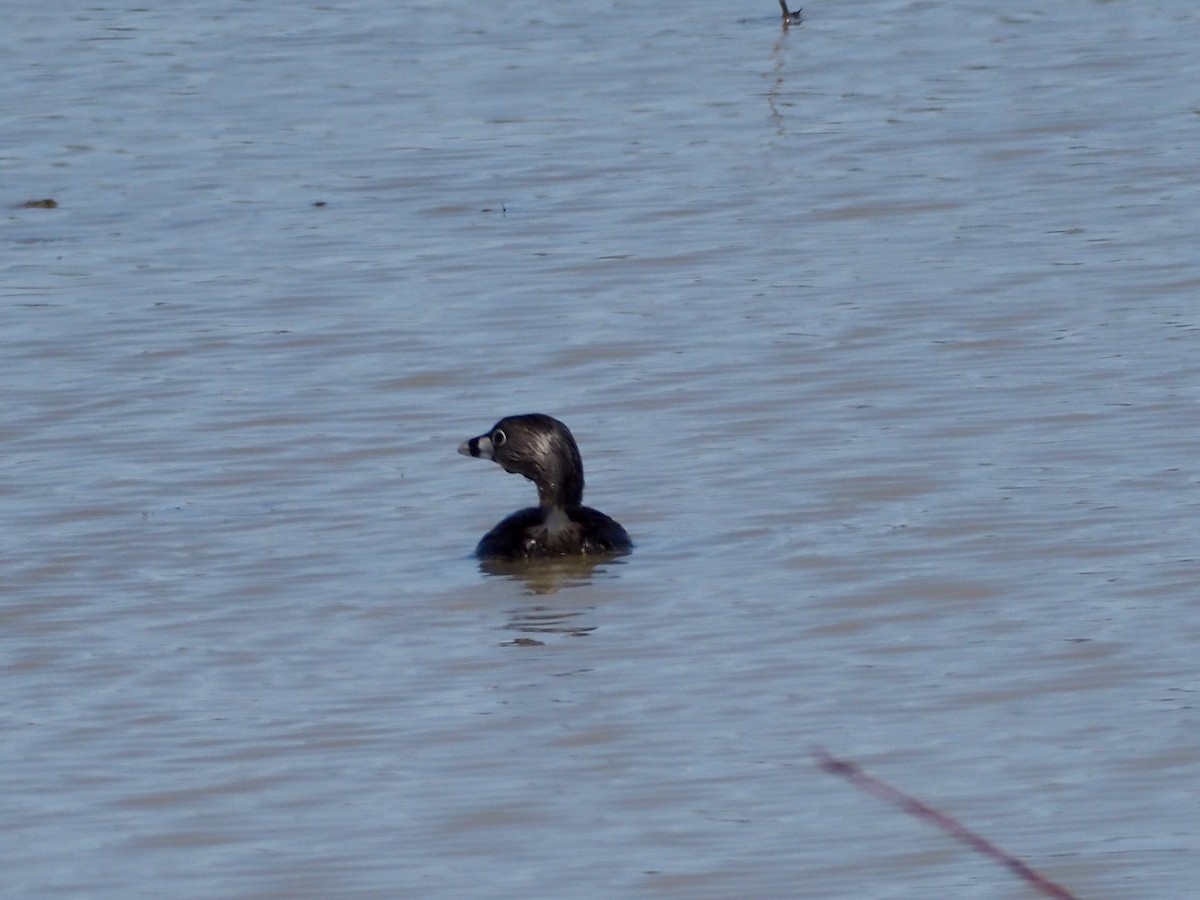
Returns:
point(549, 576)
point(543, 578)
point(531, 621)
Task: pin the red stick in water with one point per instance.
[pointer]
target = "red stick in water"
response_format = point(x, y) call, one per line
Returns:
point(915, 807)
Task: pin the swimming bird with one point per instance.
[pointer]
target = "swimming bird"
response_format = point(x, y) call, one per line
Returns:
point(789, 18)
point(543, 450)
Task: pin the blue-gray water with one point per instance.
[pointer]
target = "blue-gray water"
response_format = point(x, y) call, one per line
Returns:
point(880, 335)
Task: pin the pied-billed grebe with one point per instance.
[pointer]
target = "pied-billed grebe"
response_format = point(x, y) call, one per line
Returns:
point(542, 449)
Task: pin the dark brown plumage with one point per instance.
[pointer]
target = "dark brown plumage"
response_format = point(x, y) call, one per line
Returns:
point(542, 449)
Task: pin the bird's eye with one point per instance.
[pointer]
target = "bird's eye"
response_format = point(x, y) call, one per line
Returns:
point(498, 437)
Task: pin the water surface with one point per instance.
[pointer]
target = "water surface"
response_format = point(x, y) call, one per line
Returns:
point(878, 334)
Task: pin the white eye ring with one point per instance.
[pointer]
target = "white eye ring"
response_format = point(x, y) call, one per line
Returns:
point(498, 437)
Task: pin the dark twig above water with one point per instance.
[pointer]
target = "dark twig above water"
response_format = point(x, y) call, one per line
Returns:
point(952, 827)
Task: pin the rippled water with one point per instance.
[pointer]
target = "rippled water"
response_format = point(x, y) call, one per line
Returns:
point(878, 334)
